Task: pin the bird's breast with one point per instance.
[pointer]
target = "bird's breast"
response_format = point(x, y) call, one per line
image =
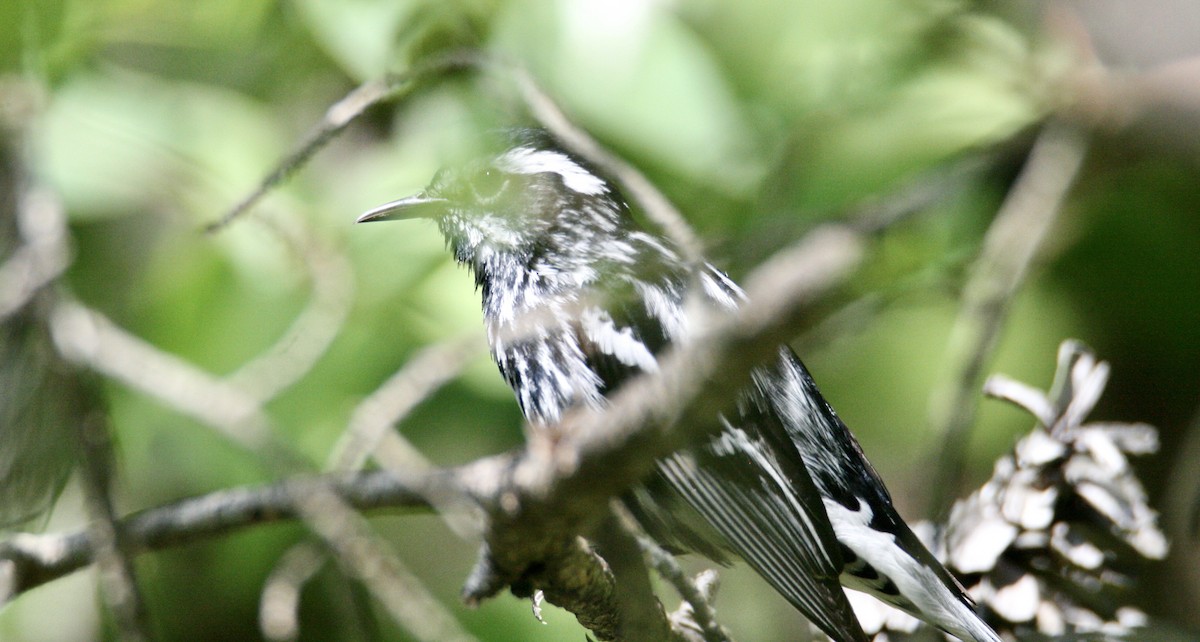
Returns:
point(546, 368)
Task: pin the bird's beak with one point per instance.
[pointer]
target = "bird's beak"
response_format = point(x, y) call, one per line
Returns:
point(417, 206)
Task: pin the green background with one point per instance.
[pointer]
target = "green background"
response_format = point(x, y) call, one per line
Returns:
point(759, 119)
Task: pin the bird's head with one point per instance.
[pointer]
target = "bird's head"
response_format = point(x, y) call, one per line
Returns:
point(532, 205)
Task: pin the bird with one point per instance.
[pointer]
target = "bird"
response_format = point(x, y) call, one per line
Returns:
point(579, 298)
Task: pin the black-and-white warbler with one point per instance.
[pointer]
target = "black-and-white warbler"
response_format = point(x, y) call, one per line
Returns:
point(577, 299)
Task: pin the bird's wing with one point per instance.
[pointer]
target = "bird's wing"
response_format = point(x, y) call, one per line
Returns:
point(746, 490)
point(751, 486)
point(889, 561)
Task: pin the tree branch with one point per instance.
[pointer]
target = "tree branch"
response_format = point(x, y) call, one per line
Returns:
point(28, 560)
point(696, 610)
point(1010, 247)
point(111, 549)
point(338, 117)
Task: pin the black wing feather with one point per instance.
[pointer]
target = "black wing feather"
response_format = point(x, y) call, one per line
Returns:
point(752, 487)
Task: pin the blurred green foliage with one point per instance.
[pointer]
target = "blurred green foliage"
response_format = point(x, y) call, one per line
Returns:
point(759, 119)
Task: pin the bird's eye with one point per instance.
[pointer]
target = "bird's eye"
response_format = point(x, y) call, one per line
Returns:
point(488, 184)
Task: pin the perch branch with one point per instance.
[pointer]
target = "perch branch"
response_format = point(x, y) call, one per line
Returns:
point(29, 560)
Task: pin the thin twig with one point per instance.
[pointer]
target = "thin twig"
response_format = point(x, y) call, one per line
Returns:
point(341, 115)
point(700, 609)
point(876, 215)
point(298, 349)
point(373, 419)
point(337, 118)
point(279, 610)
point(370, 425)
point(43, 255)
point(641, 617)
point(1010, 247)
point(652, 201)
point(695, 620)
point(370, 433)
point(112, 551)
point(89, 338)
point(366, 557)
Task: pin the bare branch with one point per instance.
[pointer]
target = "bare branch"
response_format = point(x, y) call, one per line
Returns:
point(88, 337)
point(295, 352)
point(91, 339)
point(370, 426)
point(696, 610)
point(34, 560)
point(278, 613)
point(652, 201)
point(1010, 248)
point(112, 551)
point(373, 419)
point(641, 617)
point(338, 117)
point(1115, 98)
point(370, 432)
point(366, 557)
point(43, 255)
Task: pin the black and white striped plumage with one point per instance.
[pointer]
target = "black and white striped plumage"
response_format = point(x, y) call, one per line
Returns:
point(577, 299)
